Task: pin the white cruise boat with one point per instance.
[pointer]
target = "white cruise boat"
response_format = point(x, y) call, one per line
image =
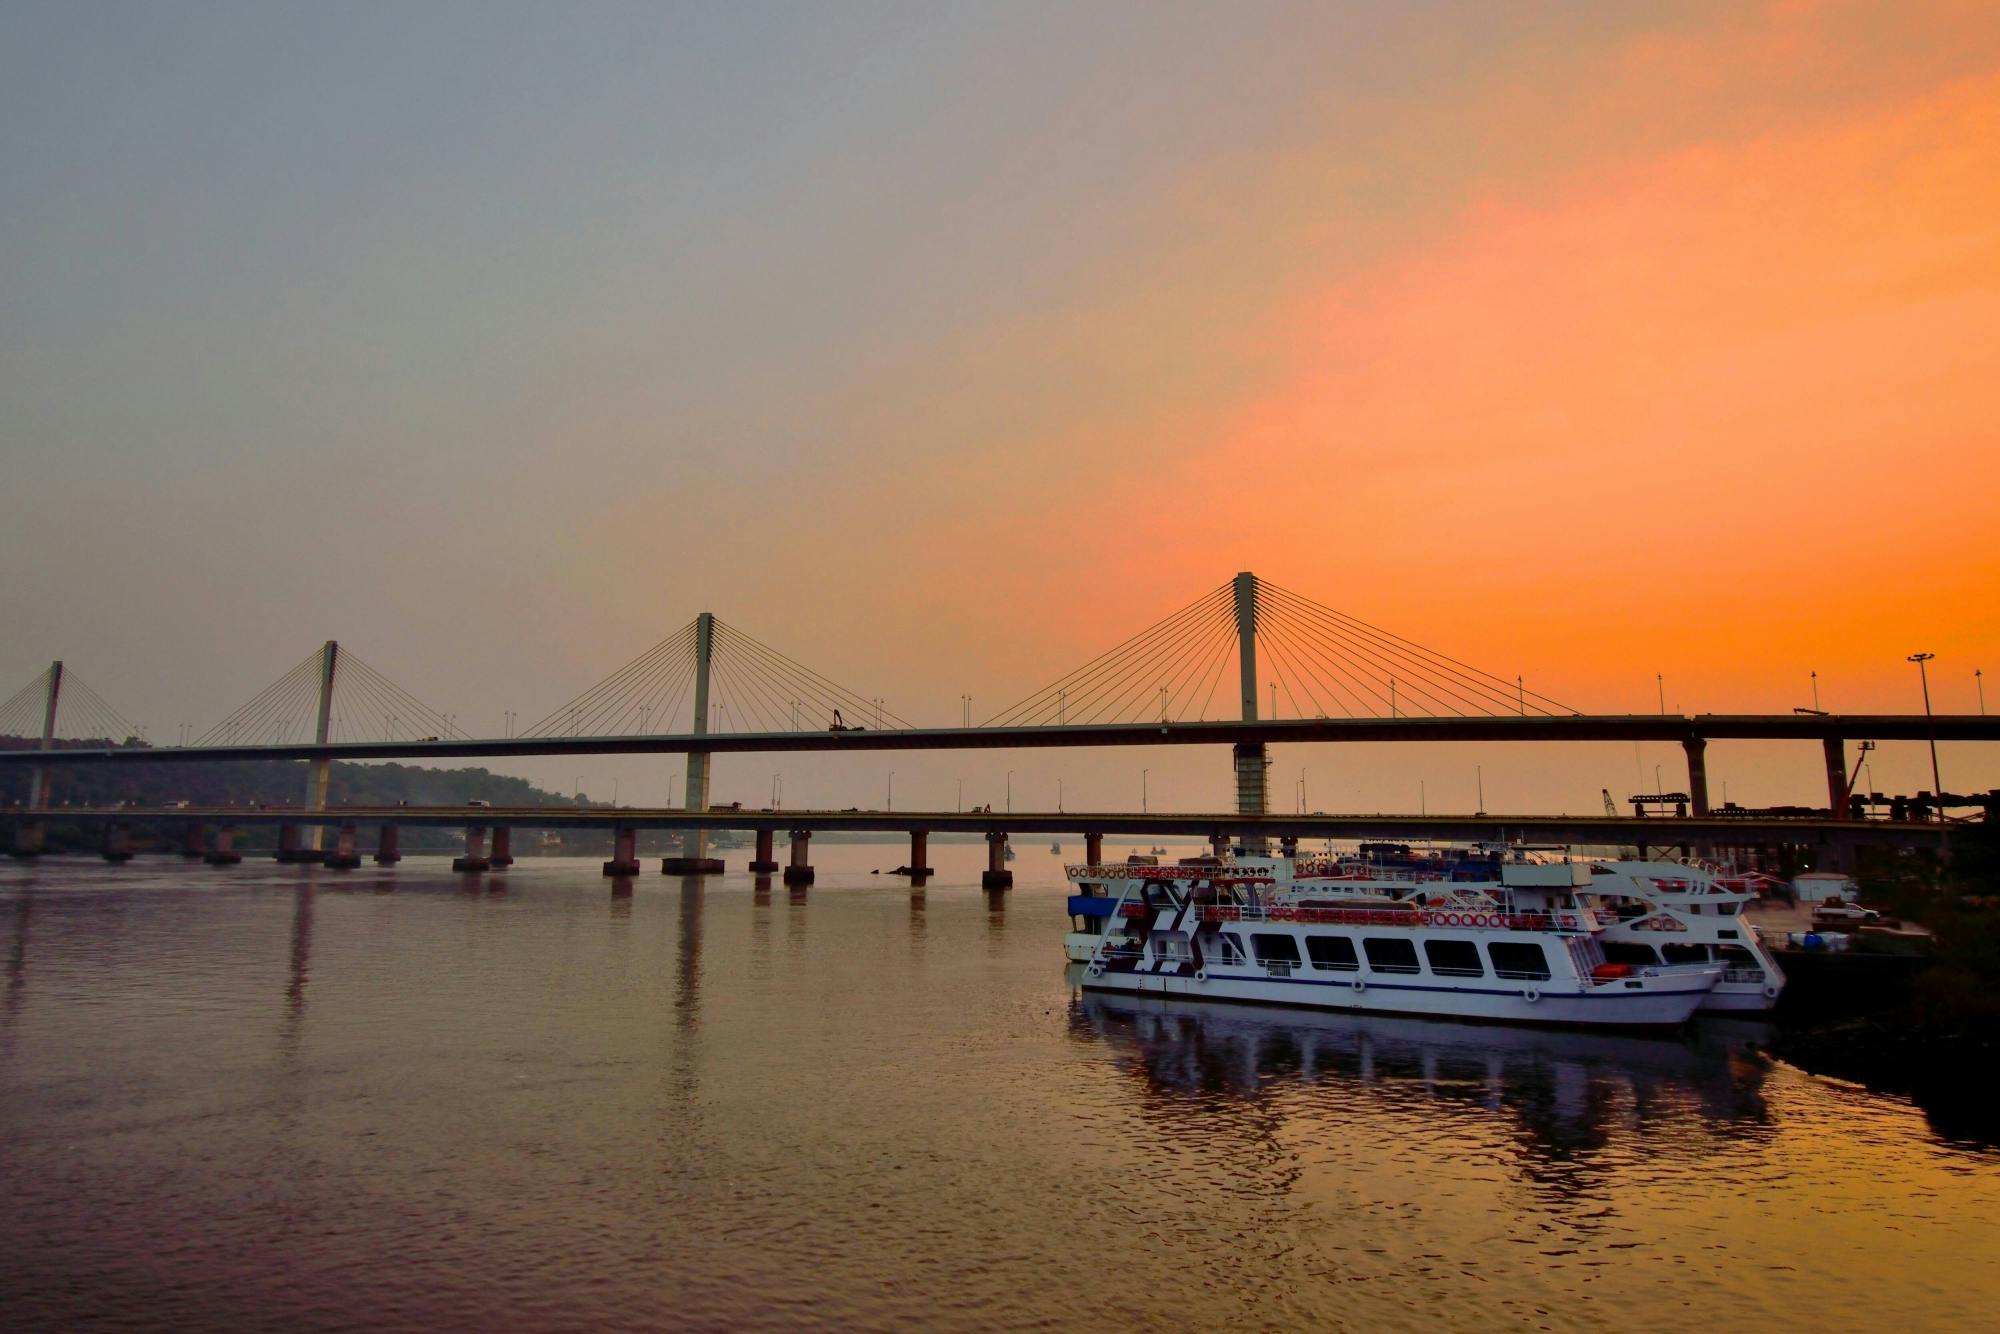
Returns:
point(1524, 948)
point(1675, 912)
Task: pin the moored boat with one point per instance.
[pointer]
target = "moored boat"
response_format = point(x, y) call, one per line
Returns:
point(1525, 948)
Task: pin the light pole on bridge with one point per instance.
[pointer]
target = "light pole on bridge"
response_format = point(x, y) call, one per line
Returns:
point(1930, 732)
point(1142, 790)
point(1010, 792)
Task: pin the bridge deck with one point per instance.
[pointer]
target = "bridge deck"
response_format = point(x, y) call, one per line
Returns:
point(1581, 727)
point(1559, 830)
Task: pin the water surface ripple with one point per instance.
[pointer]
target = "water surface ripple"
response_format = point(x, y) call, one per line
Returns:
point(272, 1097)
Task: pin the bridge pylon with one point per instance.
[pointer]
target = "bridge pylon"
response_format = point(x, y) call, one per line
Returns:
point(694, 843)
point(319, 769)
point(1252, 758)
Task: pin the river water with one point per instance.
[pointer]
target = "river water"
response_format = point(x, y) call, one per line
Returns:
point(272, 1097)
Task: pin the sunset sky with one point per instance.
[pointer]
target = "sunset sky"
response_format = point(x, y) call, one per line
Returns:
point(944, 346)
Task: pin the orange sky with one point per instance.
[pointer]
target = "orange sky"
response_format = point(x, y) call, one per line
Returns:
point(1587, 343)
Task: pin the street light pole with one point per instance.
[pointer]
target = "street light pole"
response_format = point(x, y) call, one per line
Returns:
point(1010, 792)
point(1930, 732)
point(892, 791)
point(1979, 679)
point(1142, 790)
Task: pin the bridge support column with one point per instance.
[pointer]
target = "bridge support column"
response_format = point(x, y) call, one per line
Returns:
point(1288, 848)
point(996, 875)
point(1836, 776)
point(222, 849)
point(343, 857)
point(694, 858)
point(475, 852)
point(920, 852)
point(389, 846)
point(30, 837)
point(192, 843)
point(1093, 849)
point(1697, 756)
point(292, 847)
point(624, 852)
point(503, 846)
point(320, 767)
point(1219, 843)
point(766, 860)
point(800, 871)
point(118, 843)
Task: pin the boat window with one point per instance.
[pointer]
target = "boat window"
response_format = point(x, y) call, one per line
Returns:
point(1518, 959)
point(1727, 909)
point(1454, 958)
point(1275, 947)
point(1391, 954)
point(1629, 951)
point(1333, 952)
point(1736, 955)
point(1685, 953)
point(1232, 947)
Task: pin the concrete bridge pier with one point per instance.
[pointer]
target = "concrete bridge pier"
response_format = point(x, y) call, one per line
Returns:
point(766, 860)
point(192, 843)
point(920, 852)
point(343, 857)
point(996, 875)
point(503, 846)
point(1288, 848)
point(389, 845)
point(222, 848)
point(624, 852)
point(1835, 750)
point(293, 848)
point(800, 871)
point(475, 858)
point(694, 858)
point(1697, 757)
point(30, 837)
point(1093, 849)
point(1219, 844)
point(118, 843)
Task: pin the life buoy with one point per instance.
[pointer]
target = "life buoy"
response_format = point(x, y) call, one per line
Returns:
point(1531, 995)
point(1201, 974)
point(1360, 984)
point(1096, 969)
point(1770, 991)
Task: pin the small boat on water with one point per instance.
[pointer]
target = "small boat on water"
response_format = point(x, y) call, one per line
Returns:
point(1524, 944)
point(1056, 848)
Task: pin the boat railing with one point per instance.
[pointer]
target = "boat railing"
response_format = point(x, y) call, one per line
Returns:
point(1560, 922)
point(1742, 974)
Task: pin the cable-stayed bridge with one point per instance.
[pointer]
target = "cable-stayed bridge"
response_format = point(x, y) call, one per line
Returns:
point(1246, 664)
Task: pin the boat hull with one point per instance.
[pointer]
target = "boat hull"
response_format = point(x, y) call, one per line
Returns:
point(1663, 1002)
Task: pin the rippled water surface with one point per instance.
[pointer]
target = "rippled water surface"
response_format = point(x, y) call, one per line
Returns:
point(272, 1098)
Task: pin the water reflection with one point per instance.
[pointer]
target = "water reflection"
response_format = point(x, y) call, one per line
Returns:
point(17, 966)
point(1564, 1096)
point(687, 975)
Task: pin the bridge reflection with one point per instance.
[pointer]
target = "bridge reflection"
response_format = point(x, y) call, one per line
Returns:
point(1561, 1098)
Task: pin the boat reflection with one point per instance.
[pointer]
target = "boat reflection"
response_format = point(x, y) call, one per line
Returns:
point(1565, 1094)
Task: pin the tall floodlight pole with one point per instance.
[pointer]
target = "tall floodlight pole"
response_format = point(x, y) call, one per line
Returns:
point(320, 768)
point(1930, 732)
point(695, 843)
point(38, 790)
point(1252, 760)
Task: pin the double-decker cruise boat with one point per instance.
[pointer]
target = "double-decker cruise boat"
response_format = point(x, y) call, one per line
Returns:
point(1675, 912)
point(1524, 946)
